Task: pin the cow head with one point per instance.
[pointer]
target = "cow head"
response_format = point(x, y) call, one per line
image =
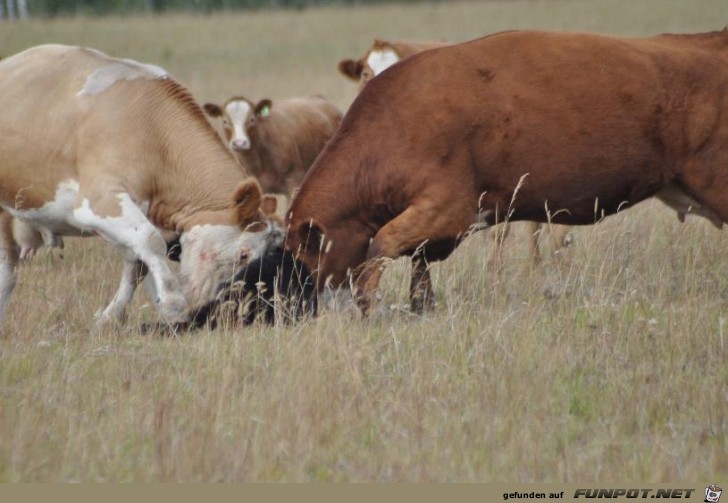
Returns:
point(239, 118)
point(214, 253)
point(330, 253)
point(378, 59)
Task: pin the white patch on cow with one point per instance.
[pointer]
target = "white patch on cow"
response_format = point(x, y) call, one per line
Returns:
point(238, 112)
point(380, 60)
point(138, 239)
point(131, 228)
point(213, 254)
point(55, 216)
point(126, 69)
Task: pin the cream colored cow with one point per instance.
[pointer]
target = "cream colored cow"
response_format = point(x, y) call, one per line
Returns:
point(92, 145)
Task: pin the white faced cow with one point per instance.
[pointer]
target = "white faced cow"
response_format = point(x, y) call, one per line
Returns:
point(381, 55)
point(277, 141)
point(92, 145)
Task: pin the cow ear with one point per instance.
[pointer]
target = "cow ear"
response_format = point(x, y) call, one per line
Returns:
point(269, 204)
point(212, 109)
point(263, 108)
point(351, 69)
point(246, 200)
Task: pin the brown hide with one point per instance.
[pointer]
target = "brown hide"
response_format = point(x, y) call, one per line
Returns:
point(285, 143)
point(361, 72)
point(582, 124)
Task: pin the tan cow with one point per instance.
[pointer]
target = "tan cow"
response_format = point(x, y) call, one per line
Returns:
point(582, 124)
point(277, 141)
point(93, 145)
point(383, 54)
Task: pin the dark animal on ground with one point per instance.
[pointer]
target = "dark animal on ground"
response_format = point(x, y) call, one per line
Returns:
point(273, 287)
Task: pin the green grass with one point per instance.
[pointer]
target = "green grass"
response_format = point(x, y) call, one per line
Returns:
point(606, 363)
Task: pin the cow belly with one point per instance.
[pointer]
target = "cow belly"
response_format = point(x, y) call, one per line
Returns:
point(56, 227)
point(55, 215)
point(583, 179)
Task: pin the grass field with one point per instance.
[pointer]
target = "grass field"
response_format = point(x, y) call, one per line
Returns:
point(606, 363)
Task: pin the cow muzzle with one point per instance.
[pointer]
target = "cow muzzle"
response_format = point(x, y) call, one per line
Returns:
point(240, 144)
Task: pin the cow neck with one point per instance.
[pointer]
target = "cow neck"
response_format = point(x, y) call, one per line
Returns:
point(326, 175)
point(266, 138)
point(198, 176)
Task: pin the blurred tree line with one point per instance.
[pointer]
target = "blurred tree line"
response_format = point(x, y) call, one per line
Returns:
point(20, 9)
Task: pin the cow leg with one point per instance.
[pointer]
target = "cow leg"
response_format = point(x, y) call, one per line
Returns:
point(138, 239)
point(8, 261)
point(131, 275)
point(174, 250)
point(558, 238)
point(500, 234)
point(366, 281)
point(422, 298)
point(411, 229)
point(534, 231)
point(139, 273)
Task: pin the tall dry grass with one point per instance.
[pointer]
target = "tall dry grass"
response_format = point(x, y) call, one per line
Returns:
point(606, 363)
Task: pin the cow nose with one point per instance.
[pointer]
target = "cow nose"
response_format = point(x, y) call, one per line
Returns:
point(243, 144)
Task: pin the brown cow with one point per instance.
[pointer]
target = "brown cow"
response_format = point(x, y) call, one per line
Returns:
point(277, 141)
point(383, 54)
point(86, 149)
point(581, 124)
point(380, 56)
